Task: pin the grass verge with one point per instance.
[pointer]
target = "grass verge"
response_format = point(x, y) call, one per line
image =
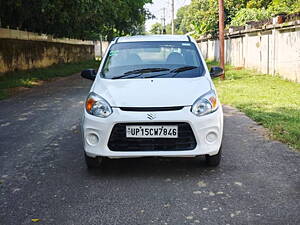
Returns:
point(269, 100)
point(29, 78)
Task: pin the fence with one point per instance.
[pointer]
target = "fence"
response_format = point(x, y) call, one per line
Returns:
point(272, 49)
point(20, 50)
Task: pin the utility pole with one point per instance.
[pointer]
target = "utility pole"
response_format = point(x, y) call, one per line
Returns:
point(172, 6)
point(101, 53)
point(163, 20)
point(221, 36)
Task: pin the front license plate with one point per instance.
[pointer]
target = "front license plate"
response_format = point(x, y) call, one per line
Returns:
point(151, 131)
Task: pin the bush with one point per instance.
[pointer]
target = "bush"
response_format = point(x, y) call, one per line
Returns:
point(244, 15)
point(284, 6)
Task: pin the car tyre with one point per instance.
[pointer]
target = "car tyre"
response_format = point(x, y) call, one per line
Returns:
point(93, 163)
point(214, 160)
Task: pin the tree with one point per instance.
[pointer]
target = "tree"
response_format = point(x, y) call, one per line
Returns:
point(201, 16)
point(156, 28)
point(284, 6)
point(180, 23)
point(258, 4)
point(251, 14)
point(263, 9)
point(84, 19)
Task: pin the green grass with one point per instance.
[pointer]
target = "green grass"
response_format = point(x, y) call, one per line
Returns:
point(269, 100)
point(30, 78)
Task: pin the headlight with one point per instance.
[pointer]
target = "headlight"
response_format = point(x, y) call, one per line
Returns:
point(97, 106)
point(206, 104)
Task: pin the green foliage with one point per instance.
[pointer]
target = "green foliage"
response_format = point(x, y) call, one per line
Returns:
point(82, 19)
point(269, 100)
point(231, 7)
point(201, 16)
point(258, 4)
point(180, 22)
point(207, 18)
point(262, 9)
point(156, 28)
point(284, 6)
point(169, 29)
point(251, 14)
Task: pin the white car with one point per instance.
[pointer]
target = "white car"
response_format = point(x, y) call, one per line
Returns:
point(152, 96)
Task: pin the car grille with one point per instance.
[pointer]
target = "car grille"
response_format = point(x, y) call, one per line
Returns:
point(151, 109)
point(119, 142)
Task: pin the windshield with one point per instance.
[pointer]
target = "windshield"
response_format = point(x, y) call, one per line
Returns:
point(152, 59)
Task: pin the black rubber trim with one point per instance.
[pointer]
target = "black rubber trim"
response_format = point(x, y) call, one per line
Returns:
point(151, 109)
point(189, 38)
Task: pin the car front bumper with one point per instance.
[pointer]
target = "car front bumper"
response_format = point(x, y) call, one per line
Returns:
point(201, 127)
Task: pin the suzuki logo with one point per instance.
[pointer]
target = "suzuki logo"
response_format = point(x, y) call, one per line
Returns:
point(151, 116)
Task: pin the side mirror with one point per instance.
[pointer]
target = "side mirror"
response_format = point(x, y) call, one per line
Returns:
point(89, 74)
point(216, 71)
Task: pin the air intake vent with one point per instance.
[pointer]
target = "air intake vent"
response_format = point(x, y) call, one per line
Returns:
point(119, 142)
point(151, 109)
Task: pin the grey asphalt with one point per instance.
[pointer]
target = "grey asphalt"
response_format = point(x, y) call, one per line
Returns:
point(43, 174)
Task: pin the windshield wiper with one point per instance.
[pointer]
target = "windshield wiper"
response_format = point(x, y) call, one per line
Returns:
point(149, 70)
point(175, 71)
point(146, 70)
point(182, 69)
point(140, 72)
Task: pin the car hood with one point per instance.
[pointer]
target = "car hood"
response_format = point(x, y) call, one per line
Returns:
point(158, 92)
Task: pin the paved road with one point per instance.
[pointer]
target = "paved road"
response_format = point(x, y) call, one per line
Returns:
point(43, 175)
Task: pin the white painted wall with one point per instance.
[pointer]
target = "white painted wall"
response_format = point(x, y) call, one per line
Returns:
point(100, 48)
point(272, 51)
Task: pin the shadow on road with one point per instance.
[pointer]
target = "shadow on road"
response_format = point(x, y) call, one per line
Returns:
point(151, 167)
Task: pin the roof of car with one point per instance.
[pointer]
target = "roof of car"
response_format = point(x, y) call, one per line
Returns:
point(153, 38)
